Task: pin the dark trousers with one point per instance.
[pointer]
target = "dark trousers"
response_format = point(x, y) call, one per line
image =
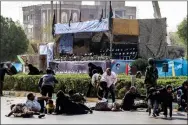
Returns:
point(112, 91)
point(1, 88)
point(103, 85)
point(42, 105)
point(165, 108)
point(47, 89)
point(89, 89)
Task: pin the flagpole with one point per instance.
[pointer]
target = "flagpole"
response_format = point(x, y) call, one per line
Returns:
point(52, 9)
point(59, 11)
point(110, 28)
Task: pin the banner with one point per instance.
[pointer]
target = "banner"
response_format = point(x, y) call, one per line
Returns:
point(43, 49)
point(76, 66)
point(50, 49)
point(125, 27)
point(120, 66)
point(78, 27)
point(66, 43)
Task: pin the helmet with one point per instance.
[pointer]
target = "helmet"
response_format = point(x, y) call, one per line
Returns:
point(151, 61)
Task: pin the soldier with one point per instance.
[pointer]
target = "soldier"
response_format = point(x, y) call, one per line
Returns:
point(151, 75)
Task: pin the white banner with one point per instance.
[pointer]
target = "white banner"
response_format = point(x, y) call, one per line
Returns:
point(50, 49)
point(78, 27)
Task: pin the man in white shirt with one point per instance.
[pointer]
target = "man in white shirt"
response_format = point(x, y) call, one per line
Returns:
point(108, 81)
point(36, 104)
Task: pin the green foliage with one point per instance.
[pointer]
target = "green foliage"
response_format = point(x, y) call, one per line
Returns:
point(80, 82)
point(175, 39)
point(140, 64)
point(13, 40)
point(182, 31)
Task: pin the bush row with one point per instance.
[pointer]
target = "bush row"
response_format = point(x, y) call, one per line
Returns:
point(80, 83)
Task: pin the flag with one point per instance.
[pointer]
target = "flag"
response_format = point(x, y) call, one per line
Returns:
point(70, 19)
point(110, 16)
point(80, 17)
point(101, 16)
point(53, 25)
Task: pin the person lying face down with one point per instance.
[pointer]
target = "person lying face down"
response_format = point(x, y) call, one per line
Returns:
point(65, 106)
point(21, 110)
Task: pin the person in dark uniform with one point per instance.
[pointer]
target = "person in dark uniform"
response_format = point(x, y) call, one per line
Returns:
point(3, 71)
point(12, 69)
point(33, 70)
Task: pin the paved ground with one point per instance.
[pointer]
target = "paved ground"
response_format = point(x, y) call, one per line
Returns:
point(140, 117)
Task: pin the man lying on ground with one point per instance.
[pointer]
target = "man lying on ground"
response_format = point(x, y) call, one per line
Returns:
point(21, 110)
point(36, 104)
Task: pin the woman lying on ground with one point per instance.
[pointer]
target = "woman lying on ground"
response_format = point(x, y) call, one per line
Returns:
point(65, 106)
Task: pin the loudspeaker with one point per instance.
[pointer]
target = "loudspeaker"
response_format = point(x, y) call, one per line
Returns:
point(165, 67)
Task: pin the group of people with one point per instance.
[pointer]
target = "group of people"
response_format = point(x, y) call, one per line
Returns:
point(158, 98)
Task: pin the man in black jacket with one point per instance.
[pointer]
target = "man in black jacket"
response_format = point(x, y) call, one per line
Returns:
point(128, 100)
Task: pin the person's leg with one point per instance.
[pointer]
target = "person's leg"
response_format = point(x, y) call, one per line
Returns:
point(1, 88)
point(42, 105)
point(50, 90)
point(44, 90)
point(112, 91)
point(155, 109)
point(89, 90)
point(165, 109)
point(170, 108)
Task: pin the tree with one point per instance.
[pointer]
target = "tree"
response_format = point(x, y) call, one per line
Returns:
point(140, 64)
point(182, 31)
point(13, 40)
point(175, 39)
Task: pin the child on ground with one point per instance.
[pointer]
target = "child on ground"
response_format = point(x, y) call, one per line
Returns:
point(50, 107)
point(21, 110)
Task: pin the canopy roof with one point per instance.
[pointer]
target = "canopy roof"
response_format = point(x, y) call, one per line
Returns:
point(80, 27)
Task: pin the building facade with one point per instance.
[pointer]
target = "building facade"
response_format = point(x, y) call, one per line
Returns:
point(37, 19)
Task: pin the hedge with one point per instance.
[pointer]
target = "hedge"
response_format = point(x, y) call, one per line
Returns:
point(80, 82)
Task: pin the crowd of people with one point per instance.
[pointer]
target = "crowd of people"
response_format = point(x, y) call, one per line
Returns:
point(158, 98)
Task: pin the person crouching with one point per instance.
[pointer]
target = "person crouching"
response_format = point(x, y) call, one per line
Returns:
point(50, 107)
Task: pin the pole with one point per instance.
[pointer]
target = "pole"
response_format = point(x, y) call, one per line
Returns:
point(52, 10)
point(111, 40)
point(105, 9)
point(59, 11)
point(0, 35)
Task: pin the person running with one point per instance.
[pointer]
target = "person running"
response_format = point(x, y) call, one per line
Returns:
point(107, 83)
point(47, 83)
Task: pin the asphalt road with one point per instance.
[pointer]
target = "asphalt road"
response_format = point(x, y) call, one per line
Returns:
point(139, 117)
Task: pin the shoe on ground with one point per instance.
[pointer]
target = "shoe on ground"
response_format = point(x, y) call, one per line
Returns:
point(41, 116)
point(91, 112)
point(154, 115)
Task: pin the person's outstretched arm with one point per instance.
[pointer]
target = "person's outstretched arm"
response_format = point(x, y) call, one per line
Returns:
point(9, 114)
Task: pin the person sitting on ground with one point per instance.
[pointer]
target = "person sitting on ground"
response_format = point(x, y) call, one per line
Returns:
point(139, 74)
point(47, 83)
point(128, 100)
point(33, 70)
point(36, 104)
point(184, 96)
point(76, 97)
point(50, 107)
point(66, 106)
point(21, 110)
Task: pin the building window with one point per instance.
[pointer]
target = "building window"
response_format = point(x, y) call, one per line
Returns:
point(75, 17)
point(64, 17)
point(25, 18)
point(91, 16)
point(118, 14)
point(130, 17)
point(28, 18)
point(31, 17)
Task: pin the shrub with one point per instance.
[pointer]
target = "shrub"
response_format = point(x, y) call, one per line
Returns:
point(140, 64)
point(80, 83)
